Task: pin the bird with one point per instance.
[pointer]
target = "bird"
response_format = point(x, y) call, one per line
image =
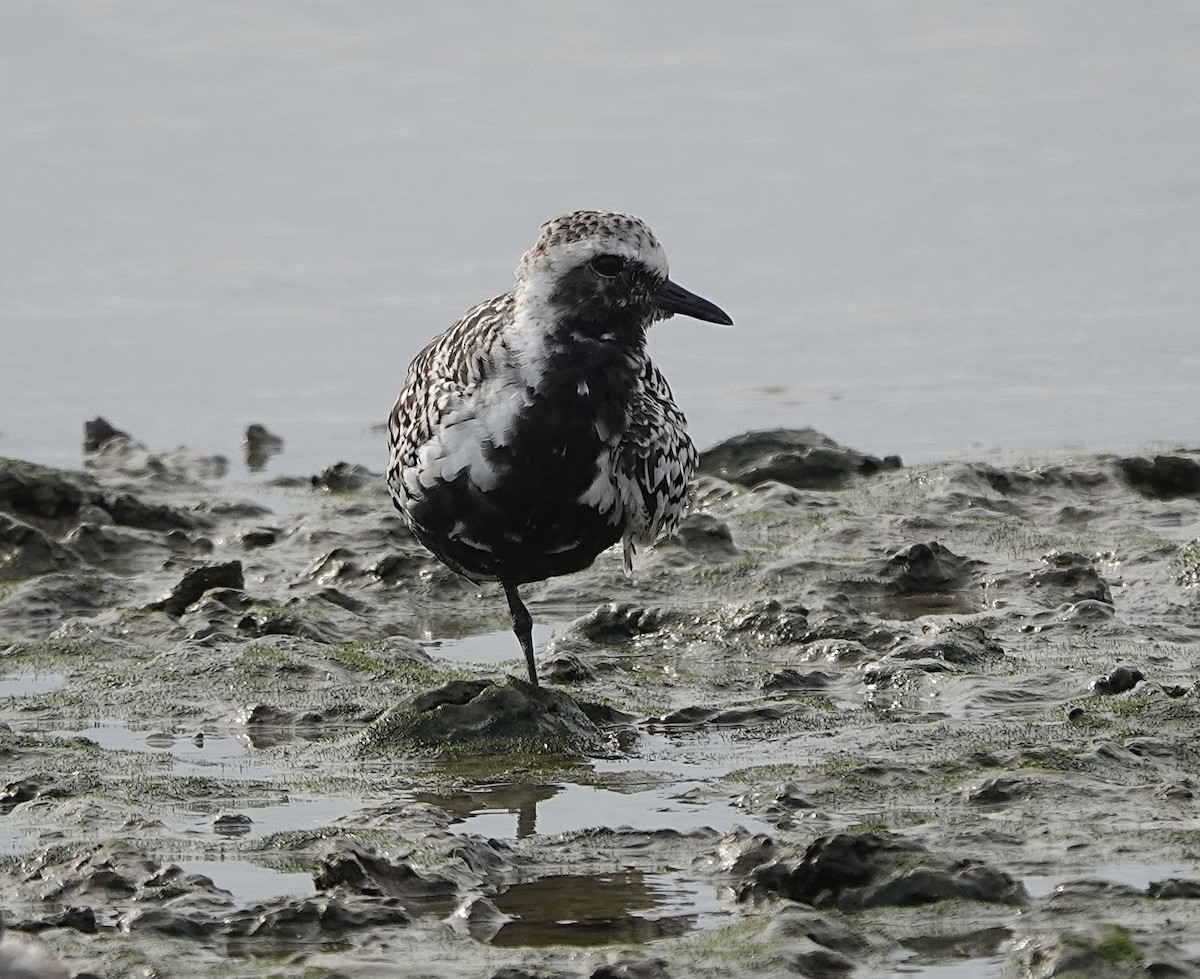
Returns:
point(535, 432)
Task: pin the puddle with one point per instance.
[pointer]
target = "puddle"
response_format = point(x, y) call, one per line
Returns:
point(295, 814)
point(973, 955)
point(627, 906)
point(202, 749)
point(1138, 875)
point(12, 841)
point(916, 605)
point(492, 647)
point(992, 968)
point(248, 882)
point(29, 686)
point(521, 809)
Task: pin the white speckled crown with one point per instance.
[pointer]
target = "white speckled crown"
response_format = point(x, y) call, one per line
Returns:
point(572, 239)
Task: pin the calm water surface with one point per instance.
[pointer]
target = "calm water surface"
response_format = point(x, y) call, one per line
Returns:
point(936, 224)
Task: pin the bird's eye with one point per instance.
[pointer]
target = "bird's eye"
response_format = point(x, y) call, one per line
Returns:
point(608, 265)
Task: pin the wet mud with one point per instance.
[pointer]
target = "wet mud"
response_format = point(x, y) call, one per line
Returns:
point(856, 719)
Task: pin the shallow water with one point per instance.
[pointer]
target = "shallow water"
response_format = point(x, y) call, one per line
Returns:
point(24, 686)
point(248, 882)
point(972, 969)
point(491, 647)
point(936, 225)
point(515, 811)
point(1132, 874)
point(628, 907)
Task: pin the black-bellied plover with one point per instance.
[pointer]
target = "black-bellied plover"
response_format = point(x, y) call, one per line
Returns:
point(535, 432)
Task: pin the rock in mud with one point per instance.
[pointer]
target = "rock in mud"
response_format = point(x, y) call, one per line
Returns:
point(290, 923)
point(523, 972)
point(301, 623)
point(498, 718)
point(562, 667)
point(456, 692)
point(1120, 680)
point(930, 567)
point(266, 726)
point(259, 537)
point(98, 431)
point(830, 932)
point(118, 453)
point(739, 851)
point(26, 552)
point(259, 446)
point(41, 605)
point(811, 960)
point(31, 491)
point(44, 785)
point(349, 866)
point(196, 582)
point(628, 967)
point(619, 622)
point(798, 681)
point(803, 458)
point(1163, 477)
point(116, 550)
point(767, 623)
point(130, 511)
point(167, 921)
point(903, 676)
point(846, 635)
point(853, 871)
point(966, 646)
point(1001, 789)
point(1095, 951)
point(1069, 578)
point(118, 883)
point(704, 536)
point(345, 477)
point(1175, 887)
point(232, 824)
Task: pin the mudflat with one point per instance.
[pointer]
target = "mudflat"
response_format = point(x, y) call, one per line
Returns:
point(856, 719)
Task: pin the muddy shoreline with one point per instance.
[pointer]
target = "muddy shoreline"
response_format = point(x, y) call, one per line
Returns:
point(857, 719)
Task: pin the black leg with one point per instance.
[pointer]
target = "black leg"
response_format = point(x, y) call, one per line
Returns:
point(523, 626)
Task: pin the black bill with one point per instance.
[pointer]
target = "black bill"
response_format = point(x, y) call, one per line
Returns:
point(673, 298)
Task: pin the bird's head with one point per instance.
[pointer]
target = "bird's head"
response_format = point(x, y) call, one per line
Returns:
point(605, 273)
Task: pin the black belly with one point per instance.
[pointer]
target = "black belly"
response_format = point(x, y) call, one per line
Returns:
point(531, 524)
point(515, 537)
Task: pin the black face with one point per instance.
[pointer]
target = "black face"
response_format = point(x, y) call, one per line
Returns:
point(613, 295)
point(608, 295)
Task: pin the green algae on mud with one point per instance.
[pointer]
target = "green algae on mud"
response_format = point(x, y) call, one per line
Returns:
point(925, 654)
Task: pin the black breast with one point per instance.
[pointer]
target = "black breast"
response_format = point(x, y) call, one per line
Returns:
point(533, 524)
